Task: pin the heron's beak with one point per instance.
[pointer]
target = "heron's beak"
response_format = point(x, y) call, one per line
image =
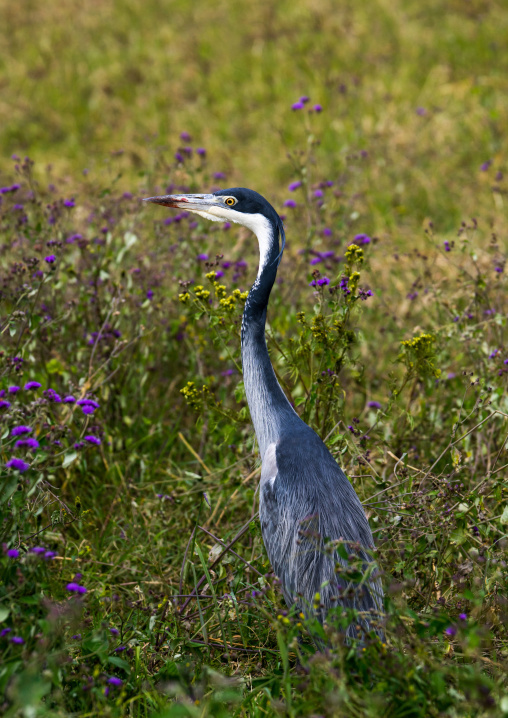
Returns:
point(190, 202)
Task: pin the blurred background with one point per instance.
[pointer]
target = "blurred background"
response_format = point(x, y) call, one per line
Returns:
point(422, 88)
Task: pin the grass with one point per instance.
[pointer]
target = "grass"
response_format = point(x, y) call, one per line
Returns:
point(154, 514)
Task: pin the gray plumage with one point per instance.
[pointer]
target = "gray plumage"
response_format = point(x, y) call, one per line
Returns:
point(307, 506)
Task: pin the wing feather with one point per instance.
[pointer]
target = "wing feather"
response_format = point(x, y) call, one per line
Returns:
point(301, 511)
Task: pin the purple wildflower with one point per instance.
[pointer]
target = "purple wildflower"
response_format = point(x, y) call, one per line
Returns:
point(327, 232)
point(315, 260)
point(202, 257)
point(49, 554)
point(304, 99)
point(5, 631)
point(69, 202)
point(50, 259)
point(20, 430)
point(115, 631)
point(149, 294)
point(13, 389)
point(120, 648)
point(89, 402)
point(499, 270)
point(78, 445)
point(52, 396)
point(362, 239)
point(30, 443)
point(76, 637)
point(321, 282)
point(219, 175)
point(18, 640)
point(37, 550)
point(421, 111)
point(485, 166)
point(318, 108)
point(69, 399)
point(13, 553)
point(226, 225)
point(75, 588)
point(17, 464)
point(318, 193)
point(73, 238)
point(185, 136)
point(294, 185)
point(374, 405)
point(93, 439)
point(32, 385)
point(297, 106)
point(290, 203)
point(115, 681)
point(201, 151)
point(4, 404)
point(451, 375)
point(447, 246)
point(179, 157)
point(451, 631)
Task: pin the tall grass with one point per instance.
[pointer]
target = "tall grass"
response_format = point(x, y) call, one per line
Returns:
point(134, 578)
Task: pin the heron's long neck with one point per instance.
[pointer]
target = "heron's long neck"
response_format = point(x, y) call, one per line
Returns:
point(271, 412)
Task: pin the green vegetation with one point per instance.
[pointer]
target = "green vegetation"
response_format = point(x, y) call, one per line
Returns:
point(133, 577)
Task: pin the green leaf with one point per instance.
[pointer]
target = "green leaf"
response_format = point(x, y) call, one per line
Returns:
point(119, 663)
point(54, 366)
point(8, 489)
point(69, 458)
point(4, 613)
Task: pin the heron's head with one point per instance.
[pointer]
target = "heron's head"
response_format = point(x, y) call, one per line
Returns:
point(240, 205)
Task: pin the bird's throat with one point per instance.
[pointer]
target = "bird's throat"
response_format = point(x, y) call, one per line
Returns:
point(270, 410)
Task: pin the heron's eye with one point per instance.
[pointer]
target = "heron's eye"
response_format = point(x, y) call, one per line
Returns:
point(231, 201)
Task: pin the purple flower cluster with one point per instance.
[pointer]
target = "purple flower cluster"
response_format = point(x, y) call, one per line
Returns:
point(75, 588)
point(344, 286)
point(301, 104)
point(321, 282)
point(320, 256)
point(21, 430)
point(17, 464)
point(51, 395)
point(88, 406)
point(28, 443)
point(93, 439)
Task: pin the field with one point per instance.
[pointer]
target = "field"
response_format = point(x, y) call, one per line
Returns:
point(133, 576)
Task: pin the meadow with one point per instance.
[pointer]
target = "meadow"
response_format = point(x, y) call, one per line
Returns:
point(133, 576)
